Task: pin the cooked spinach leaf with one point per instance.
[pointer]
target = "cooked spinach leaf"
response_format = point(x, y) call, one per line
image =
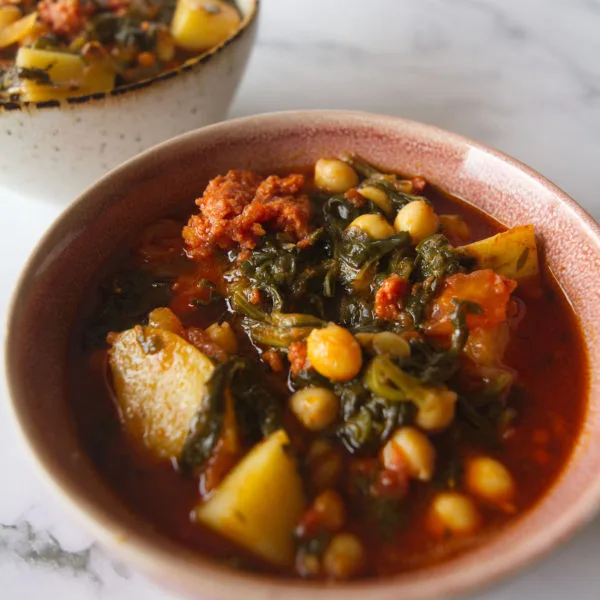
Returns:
point(367, 420)
point(258, 409)
point(458, 318)
point(429, 364)
point(206, 427)
point(436, 259)
point(289, 274)
point(276, 329)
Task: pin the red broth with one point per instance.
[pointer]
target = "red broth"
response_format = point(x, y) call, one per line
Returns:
point(546, 351)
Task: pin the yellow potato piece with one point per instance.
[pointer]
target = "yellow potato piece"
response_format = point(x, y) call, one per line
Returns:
point(159, 380)
point(199, 25)
point(9, 14)
point(260, 502)
point(512, 253)
point(14, 32)
point(98, 76)
point(69, 73)
point(62, 67)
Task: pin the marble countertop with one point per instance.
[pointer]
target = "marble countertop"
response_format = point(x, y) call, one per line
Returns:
point(523, 77)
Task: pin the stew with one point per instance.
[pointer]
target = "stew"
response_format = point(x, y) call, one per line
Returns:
point(56, 49)
point(330, 374)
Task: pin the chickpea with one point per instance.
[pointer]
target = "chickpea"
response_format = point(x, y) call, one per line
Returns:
point(373, 225)
point(418, 219)
point(414, 449)
point(165, 318)
point(315, 407)
point(454, 513)
point(455, 228)
point(331, 510)
point(334, 352)
point(344, 557)
point(390, 343)
point(223, 335)
point(308, 565)
point(437, 412)
point(334, 176)
point(324, 465)
point(491, 481)
point(378, 197)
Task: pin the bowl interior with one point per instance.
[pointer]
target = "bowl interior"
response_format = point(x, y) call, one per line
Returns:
point(175, 173)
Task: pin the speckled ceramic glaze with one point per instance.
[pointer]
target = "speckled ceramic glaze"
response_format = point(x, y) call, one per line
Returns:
point(175, 172)
point(54, 150)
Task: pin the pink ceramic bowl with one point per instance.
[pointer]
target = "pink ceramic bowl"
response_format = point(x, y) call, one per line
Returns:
point(174, 172)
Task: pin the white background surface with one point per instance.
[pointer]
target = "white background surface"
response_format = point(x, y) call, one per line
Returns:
point(522, 76)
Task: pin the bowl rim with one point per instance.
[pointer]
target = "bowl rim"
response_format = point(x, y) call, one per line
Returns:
point(218, 581)
point(129, 88)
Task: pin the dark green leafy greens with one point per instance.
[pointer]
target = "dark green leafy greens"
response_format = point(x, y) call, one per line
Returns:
point(289, 274)
point(357, 252)
point(386, 513)
point(436, 259)
point(368, 425)
point(275, 329)
point(207, 425)
point(258, 410)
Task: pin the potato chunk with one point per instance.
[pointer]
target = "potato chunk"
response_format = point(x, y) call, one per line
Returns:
point(15, 31)
point(512, 253)
point(69, 73)
point(9, 14)
point(260, 502)
point(199, 25)
point(159, 380)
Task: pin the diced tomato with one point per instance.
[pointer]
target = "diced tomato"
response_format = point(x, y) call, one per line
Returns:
point(418, 184)
point(383, 483)
point(199, 338)
point(354, 197)
point(309, 525)
point(298, 358)
point(190, 289)
point(392, 290)
point(255, 296)
point(485, 288)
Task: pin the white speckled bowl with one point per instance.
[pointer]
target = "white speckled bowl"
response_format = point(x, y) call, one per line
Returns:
point(53, 151)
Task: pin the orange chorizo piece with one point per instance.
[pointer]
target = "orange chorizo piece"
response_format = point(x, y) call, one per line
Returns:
point(388, 296)
point(234, 208)
point(65, 18)
point(486, 288)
